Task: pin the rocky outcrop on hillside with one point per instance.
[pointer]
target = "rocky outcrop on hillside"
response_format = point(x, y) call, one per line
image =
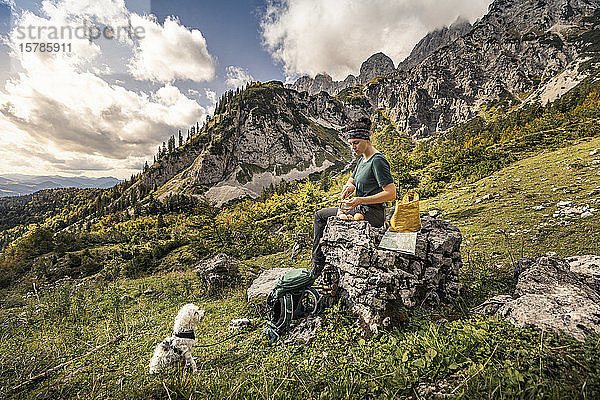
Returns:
point(377, 65)
point(263, 135)
point(435, 40)
point(264, 284)
point(509, 52)
point(376, 285)
point(552, 293)
point(217, 273)
point(588, 268)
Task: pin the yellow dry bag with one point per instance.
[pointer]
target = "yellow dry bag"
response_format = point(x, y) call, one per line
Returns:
point(406, 216)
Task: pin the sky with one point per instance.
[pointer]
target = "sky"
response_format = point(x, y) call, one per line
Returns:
point(125, 75)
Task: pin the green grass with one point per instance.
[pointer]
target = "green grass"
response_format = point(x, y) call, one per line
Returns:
point(507, 226)
point(470, 357)
point(465, 358)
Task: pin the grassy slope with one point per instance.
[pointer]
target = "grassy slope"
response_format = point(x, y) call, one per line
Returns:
point(542, 180)
point(473, 358)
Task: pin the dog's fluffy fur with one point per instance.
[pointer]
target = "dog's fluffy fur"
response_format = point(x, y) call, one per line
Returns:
point(175, 350)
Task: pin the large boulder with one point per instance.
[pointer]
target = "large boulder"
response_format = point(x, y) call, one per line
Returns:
point(376, 285)
point(264, 284)
point(550, 296)
point(217, 273)
point(553, 294)
point(587, 267)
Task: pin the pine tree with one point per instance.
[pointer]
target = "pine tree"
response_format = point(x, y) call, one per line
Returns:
point(160, 222)
point(180, 139)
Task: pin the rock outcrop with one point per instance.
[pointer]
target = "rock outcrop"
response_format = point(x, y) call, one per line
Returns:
point(264, 284)
point(377, 284)
point(433, 41)
point(512, 50)
point(217, 273)
point(588, 268)
point(376, 65)
point(551, 295)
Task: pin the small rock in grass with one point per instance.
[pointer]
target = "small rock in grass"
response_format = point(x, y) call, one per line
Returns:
point(586, 214)
point(594, 152)
point(434, 213)
point(537, 208)
point(239, 324)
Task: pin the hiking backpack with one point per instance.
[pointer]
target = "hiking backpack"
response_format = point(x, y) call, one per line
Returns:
point(292, 298)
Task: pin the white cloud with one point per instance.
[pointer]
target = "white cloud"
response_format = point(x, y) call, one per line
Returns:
point(59, 114)
point(170, 52)
point(211, 95)
point(336, 36)
point(237, 77)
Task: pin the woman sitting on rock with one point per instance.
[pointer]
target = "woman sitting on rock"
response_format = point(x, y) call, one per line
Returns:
point(371, 181)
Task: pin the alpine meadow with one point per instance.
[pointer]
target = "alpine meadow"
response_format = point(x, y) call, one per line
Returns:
point(494, 123)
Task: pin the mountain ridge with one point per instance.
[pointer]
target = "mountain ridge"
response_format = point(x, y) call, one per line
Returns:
point(260, 134)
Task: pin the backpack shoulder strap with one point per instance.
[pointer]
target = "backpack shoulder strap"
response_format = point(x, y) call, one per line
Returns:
point(274, 329)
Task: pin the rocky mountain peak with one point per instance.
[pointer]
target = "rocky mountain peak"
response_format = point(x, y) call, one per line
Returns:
point(260, 136)
point(376, 65)
point(435, 40)
point(516, 48)
point(459, 22)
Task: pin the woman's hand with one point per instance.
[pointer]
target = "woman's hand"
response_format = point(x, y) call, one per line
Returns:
point(353, 202)
point(347, 190)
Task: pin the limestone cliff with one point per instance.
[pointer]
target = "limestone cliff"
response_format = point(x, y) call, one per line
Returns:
point(263, 135)
point(512, 50)
point(434, 41)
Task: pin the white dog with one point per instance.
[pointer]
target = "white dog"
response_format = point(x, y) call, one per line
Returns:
point(177, 349)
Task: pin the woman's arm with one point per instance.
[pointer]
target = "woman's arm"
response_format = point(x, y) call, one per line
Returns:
point(348, 188)
point(388, 194)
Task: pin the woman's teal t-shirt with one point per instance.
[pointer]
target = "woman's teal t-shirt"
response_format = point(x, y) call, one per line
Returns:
point(369, 176)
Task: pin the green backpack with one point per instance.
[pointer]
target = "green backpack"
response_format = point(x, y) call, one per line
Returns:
point(292, 298)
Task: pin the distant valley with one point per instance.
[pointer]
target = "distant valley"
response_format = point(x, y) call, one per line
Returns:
point(20, 185)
